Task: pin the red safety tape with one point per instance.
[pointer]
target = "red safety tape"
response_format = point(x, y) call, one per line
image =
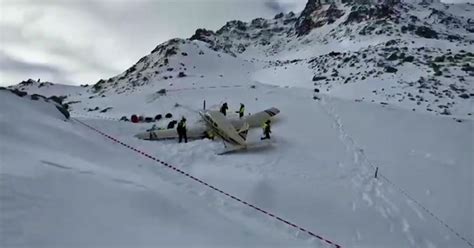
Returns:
point(211, 186)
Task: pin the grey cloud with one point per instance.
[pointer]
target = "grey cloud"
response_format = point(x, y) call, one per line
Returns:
point(274, 5)
point(15, 68)
point(96, 39)
point(84, 55)
point(10, 64)
point(57, 46)
point(284, 6)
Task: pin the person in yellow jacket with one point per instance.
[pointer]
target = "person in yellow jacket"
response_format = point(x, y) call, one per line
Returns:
point(241, 110)
point(209, 135)
point(266, 130)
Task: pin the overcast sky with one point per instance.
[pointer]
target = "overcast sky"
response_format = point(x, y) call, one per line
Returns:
point(82, 41)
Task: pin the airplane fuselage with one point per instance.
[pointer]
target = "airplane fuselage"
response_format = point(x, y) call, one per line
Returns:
point(227, 128)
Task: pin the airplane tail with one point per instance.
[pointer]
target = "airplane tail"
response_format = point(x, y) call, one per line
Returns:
point(244, 130)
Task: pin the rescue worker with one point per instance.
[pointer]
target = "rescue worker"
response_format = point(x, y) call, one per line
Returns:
point(153, 128)
point(266, 130)
point(224, 108)
point(209, 135)
point(241, 111)
point(182, 130)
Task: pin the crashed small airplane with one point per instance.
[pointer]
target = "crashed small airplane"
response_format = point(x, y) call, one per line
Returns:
point(231, 131)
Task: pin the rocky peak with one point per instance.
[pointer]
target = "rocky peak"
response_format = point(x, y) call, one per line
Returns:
point(316, 14)
point(28, 82)
point(235, 24)
point(365, 10)
point(202, 35)
point(310, 7)
point(169, 47)
point(371, 2)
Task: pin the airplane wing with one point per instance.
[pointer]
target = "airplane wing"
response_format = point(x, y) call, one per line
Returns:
point(257, 119)
point(231, 149)
point(163, 134)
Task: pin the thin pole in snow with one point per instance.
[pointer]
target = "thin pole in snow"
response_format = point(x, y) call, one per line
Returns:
point(376, 172)
point(204, 105)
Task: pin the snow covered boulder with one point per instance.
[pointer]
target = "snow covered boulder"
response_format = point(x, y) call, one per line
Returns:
point(426, 32)
point(10, 102)
point(390, 69)
point(161, 92)
point(19, 93)
point(36, 97)
point(319, 78)
point(63, 110)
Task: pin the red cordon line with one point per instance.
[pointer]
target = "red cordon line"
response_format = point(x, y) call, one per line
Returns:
point(211, 186)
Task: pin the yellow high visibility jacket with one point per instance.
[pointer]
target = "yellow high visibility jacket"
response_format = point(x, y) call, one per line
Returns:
point(242, 110)
point(182, 125)
point(265, 127)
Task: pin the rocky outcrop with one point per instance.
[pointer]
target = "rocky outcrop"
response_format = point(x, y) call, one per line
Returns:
point(202, 35)
point(316, 15)
point(360, 13)
point(56, 100)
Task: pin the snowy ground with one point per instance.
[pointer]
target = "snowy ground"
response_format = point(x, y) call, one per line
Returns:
point(63, 185)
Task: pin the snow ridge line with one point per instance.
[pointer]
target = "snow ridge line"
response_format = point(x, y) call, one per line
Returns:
point(94, 116)
point(325, 104)
point(265, 212)
point(205, 87)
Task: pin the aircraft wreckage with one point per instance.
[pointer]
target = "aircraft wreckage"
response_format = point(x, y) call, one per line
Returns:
point(232, 131)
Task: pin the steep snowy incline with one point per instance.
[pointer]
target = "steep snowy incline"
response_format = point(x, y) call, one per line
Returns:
point(49, 89)
point(178, 63)
point(63, 186)
point(319, 170)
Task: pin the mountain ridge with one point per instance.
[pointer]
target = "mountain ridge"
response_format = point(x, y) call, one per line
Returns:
point(414, 54)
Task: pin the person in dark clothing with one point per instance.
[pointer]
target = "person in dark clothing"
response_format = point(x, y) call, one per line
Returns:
point(241, 110)
point(182, 130)
point(266, 130)
point(224, 108)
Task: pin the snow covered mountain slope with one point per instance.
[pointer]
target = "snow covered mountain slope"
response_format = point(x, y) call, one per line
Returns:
point(318, 173)
point(63, 186)
point(413, 54)
point(49, 89)
point(360, 85)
